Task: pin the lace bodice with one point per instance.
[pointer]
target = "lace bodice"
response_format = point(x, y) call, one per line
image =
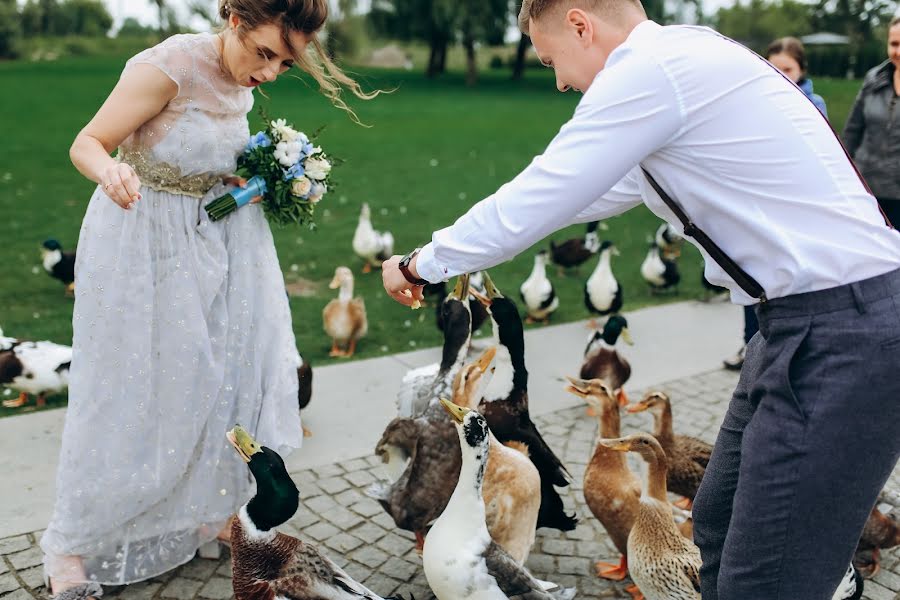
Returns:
point(196, 139)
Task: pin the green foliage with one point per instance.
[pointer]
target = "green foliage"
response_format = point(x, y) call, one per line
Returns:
point(131, 27)
point(10, 29)
point(758, 22)
point(70, 17)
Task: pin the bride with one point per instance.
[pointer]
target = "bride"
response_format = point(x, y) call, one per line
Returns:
point(181, 325)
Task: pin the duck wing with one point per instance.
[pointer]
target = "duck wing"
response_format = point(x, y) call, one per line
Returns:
point(697, 450)
point(515, 581)
point(311, 575)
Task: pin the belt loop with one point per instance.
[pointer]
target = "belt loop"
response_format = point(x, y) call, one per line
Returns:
point(858, 297)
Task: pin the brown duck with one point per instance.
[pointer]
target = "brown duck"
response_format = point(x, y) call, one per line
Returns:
point(688, 456)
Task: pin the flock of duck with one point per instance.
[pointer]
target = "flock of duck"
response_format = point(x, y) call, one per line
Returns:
point(466, 469)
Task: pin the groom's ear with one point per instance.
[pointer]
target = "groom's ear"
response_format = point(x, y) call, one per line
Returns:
point(579, 23)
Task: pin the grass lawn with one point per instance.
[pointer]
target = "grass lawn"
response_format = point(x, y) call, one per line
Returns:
point(433, 149)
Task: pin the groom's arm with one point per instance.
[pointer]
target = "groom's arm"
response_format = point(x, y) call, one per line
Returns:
point(630, 111)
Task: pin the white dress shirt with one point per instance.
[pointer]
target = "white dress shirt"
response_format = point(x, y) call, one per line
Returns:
point(747, 156)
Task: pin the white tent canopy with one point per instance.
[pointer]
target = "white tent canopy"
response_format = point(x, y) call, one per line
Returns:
point(825, 39)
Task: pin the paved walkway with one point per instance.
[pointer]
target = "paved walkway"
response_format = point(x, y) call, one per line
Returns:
point(336, 465)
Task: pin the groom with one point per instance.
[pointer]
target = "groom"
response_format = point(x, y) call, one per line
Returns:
point(697, 127)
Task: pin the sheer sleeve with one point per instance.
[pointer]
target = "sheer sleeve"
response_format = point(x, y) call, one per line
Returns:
point(175, 62)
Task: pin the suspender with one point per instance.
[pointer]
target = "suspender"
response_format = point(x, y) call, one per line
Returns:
point(740, 276)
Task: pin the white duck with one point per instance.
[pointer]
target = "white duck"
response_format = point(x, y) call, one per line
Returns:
point(658, 271)
point(461, 560)
point(372, 246)
point(602, 292)
point(36, 368)
point(538, 293)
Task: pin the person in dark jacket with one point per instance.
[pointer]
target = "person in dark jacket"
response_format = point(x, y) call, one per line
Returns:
point(872, 133)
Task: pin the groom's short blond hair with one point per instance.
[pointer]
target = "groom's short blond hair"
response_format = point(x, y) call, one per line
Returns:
point(535, 9)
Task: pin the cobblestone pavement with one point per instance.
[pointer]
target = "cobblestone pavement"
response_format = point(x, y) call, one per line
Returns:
point(360, 536)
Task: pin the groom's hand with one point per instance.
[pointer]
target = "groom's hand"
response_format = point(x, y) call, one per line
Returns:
point(396, 285)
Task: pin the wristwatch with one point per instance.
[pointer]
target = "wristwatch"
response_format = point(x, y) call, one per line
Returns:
point(404, 268)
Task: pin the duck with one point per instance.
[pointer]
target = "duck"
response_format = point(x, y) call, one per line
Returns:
point(267, 564)
point(512, 484)
point(661, 561)
point(687, 456)
point(304, 388)
point(460, 559)
point(33, 368)
point(880, 532)
point(669, 241)
point(58, 264)
point(611, 490)
point(603, 361)
point(505, 406)
point(438, 291)
point(602, 292)
point(575, 251)
point(537, 292)
point(419, 450)
point(422, 385)
point(851, 586)
point(374, 247)
point(660, 272)
point(344, 318)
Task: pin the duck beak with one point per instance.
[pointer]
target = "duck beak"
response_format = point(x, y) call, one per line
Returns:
point(457, 413)
point(618, 444)
point(615, 251)
point(245, 445)
point(335, 283)
point(484, 300)
point(487, 357)
point(579, 387)
point(636, 407)
point(462, 285)
point(627, 336)
point(489, 287)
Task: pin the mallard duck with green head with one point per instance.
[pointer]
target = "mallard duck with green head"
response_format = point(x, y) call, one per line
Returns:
point(266, 564)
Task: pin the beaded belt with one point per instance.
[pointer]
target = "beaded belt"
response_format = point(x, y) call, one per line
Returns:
point(164, 177)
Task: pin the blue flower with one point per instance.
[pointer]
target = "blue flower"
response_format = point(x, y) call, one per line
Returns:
point(307, 149)
point(260, 140)
point(294, 172)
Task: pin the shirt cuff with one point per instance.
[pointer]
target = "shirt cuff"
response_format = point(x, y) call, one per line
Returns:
point(427, 267)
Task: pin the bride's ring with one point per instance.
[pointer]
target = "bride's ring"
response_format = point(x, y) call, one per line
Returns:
point(106, 187)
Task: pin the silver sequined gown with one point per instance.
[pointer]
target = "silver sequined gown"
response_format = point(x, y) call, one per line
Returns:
point(181, 329)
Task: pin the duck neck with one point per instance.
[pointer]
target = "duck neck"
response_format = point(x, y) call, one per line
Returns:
point(603, 263)
point(346, 292)
point(608, 426)
point(466, 502)
point(663, 431)
point(656, 475)
point(538, 272)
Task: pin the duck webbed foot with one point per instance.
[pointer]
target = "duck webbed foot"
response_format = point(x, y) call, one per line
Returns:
point(20, 401)
point(611, 571)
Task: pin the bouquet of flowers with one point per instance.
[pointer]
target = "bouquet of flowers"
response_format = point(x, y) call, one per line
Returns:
point(285, 168)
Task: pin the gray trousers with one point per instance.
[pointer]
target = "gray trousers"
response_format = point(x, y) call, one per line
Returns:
point(809, 440)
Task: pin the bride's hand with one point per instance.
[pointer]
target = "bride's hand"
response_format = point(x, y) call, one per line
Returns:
point(238, 181)
point(121, 184)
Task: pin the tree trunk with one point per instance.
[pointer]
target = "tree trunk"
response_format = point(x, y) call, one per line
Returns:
point(471, 64)
point(437, 57)
point(521, 50)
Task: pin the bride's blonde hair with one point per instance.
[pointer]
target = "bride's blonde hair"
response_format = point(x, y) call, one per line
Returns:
point(304, 16)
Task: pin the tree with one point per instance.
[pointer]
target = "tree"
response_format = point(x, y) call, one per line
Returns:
point(10, 28)
point(83, 17)
point(433, 21)
point(757, 23)
point(131, 27)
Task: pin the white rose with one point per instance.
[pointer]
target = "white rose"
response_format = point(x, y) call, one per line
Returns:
point(317, 168)
point(317, 191)
point(301, 186)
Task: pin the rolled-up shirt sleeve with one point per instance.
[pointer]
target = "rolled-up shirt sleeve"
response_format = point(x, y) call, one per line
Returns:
point(586, 173)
